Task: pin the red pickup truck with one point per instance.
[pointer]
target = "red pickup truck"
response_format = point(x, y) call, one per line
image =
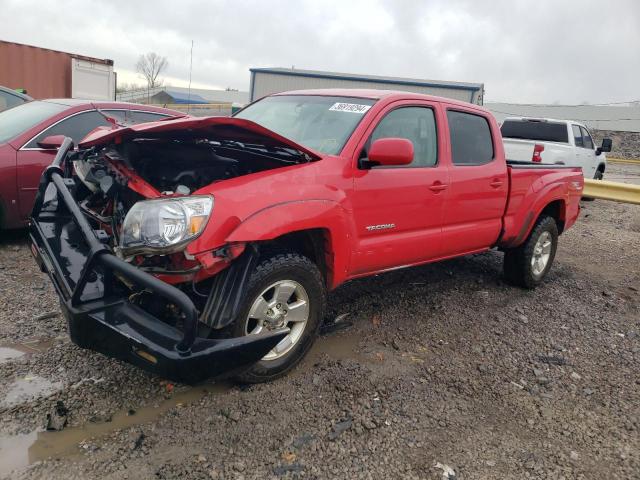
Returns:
point(205, 247)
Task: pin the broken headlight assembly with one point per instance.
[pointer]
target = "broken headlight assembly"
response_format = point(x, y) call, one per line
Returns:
point(165, 225)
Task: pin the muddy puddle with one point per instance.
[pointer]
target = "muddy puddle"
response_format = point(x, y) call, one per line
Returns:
point(28, 388)
point(12, 351)
point(19, 451)
point(9, 353)
point(14, 451)
point(339, 345)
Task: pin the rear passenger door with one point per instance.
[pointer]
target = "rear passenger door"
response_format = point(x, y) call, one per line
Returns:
point(478, 184)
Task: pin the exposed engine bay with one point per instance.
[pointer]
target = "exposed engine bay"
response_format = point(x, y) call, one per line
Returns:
point(119, 175)
point(173, 166)
point(142, 192)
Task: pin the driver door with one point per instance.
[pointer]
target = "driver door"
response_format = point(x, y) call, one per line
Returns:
point(398, 210)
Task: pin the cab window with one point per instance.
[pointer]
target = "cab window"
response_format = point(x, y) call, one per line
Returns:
point(416, 124)
point(577, 135)
point(471, 140)
point(587, 142)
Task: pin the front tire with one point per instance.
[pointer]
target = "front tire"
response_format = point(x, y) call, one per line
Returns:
point(527, 265)
point(599, 175)
point(284, 290)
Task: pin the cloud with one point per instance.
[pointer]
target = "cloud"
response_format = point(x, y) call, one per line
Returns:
point(523, 51)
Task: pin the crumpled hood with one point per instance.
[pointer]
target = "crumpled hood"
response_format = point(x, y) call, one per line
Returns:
point(222, 128)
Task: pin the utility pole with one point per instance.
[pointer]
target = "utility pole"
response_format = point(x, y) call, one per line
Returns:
point(190, 69)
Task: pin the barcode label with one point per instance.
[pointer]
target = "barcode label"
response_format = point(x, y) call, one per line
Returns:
point(349, 107)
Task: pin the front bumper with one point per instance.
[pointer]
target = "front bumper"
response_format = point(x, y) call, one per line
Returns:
point(91, 283)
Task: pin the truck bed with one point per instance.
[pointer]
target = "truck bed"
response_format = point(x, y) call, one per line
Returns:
point(531, 187)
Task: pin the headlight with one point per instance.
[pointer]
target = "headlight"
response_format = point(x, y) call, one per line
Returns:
point(165, 225)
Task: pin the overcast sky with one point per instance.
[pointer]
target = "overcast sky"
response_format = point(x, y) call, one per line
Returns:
point(523, 51)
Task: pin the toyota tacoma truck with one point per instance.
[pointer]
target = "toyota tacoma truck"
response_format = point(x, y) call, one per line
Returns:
point(562, 142)
point(205, 247)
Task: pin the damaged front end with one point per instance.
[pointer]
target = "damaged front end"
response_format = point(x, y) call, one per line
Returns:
point(111, 236)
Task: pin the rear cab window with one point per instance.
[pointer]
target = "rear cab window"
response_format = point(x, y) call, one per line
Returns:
point(471, 139)
point(540, 130)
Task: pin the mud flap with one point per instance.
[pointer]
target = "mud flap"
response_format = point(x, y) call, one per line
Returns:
point(228, 290)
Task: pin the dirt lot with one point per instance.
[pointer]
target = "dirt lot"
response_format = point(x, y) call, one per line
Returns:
point(438, 367)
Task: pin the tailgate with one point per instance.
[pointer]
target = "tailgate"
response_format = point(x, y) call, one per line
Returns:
point(520, 150)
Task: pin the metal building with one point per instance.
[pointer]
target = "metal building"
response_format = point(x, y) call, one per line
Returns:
point(265, 81)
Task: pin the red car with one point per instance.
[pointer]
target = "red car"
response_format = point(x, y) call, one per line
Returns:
point(203, 247)
point(23, 156)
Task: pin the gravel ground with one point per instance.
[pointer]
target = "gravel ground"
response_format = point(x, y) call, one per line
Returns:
point(625, 144)
point(439, 369)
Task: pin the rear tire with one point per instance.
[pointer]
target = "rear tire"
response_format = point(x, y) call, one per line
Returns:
point(599, 175)
point(282, 273)
point(527, 265)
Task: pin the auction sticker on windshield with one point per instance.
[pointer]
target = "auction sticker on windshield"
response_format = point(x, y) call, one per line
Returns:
point(349, 107)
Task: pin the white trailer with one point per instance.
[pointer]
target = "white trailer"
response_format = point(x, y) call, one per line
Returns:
point(92, 80)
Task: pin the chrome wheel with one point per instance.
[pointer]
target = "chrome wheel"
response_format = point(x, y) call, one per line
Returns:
point(541, 253)
point(282, 304)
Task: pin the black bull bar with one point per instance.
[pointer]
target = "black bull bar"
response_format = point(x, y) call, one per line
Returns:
point(101, 317)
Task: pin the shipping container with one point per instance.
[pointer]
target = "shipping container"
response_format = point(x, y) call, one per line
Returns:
point(46, 73)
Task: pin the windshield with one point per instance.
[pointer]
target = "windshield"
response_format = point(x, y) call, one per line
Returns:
point(17, 120)
point(321, 123)
point(535, 130)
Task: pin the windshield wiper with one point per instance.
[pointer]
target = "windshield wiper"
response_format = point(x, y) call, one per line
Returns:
point(111, 120)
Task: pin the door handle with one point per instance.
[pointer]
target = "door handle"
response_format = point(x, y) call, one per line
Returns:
point(496, 183)
point(437, 186)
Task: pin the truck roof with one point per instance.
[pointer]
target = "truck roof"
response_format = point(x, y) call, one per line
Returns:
point(375, 94)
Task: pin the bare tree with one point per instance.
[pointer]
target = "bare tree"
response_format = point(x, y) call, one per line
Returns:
point(150, 66)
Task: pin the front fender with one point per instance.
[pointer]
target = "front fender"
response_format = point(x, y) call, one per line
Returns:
point(288, 217)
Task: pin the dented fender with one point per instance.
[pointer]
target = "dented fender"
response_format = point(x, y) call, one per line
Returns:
point(294, 216)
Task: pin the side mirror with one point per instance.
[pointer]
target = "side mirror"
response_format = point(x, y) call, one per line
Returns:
point(607, 143)
point(391, 152)
point(51, 142)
